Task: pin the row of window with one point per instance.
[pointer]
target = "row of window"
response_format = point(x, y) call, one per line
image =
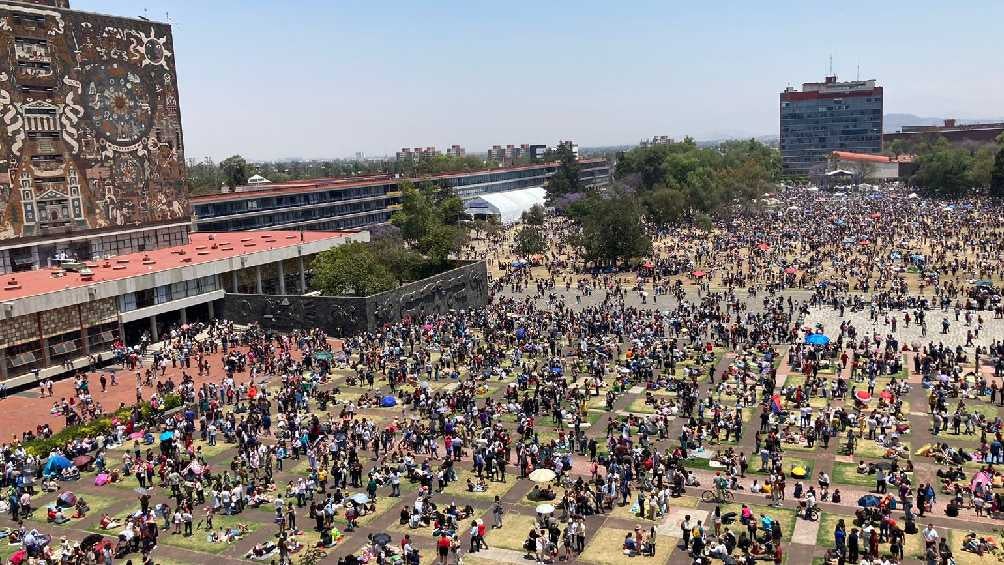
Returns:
point(167, 293)
point(216, 209)
point(302, 215)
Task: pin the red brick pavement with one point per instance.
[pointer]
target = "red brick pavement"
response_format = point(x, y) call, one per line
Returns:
point(25, 411)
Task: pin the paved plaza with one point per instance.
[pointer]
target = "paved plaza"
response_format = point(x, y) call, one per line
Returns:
point(803, 540)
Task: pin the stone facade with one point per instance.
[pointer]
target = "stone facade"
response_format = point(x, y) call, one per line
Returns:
point(90, 127)
point(462, 288)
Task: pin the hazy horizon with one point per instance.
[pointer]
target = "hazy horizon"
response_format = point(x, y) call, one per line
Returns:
point(327, 79)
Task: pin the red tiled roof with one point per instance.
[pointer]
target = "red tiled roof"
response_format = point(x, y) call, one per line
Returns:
point(310, 185)
point(202, 248)
point(849, 156)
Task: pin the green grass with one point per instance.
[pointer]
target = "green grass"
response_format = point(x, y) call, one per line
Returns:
point(847, 474)
point(495, 488)
point(827, 523)
point(198, 540)
point(786, 465)
point(784, 516)
point(868, 449)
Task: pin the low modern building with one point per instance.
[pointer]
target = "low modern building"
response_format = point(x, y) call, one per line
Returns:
point(864, 166)
point(355, 203)
point(58, 317)
point(951, 130)
point(828, 116)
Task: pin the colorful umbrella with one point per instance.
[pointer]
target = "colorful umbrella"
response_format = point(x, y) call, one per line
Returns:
point(698, 274)
point(862, 395)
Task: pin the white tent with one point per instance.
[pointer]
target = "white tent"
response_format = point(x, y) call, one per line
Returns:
point(512, 204)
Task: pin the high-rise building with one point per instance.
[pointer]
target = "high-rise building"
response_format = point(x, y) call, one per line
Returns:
point(456, 151)
point(91, 154)
point(825, 117)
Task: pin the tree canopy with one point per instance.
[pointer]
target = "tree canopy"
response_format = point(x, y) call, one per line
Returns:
point(529, 241)
point(566, 179)
point(677, 179)
point(952, 171)
point(235, 171)
point(351, 269)
point(430, 220)
point(611, 228)
point(997, 174)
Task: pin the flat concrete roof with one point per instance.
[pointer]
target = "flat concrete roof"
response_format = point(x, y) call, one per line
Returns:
point(203, 247)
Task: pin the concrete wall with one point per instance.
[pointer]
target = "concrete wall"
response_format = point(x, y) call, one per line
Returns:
point(460, 288)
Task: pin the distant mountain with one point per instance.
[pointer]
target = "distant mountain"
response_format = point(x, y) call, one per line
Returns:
point(893, 122)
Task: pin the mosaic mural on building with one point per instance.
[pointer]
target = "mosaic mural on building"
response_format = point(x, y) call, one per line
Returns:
point(90, 129)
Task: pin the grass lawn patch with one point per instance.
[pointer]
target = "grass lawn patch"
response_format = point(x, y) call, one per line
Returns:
point(786, 464)
point(514, 529)
point(847, 474)
point(784, 516)
point(625, 513)
point(989, 410)
point(199, 540)
point(605, 547)
point(955, 539)
point(638, 406)
point(595, 416)
point(383, 504)
point(868, 449)
point(495, 488)
point(827, 524)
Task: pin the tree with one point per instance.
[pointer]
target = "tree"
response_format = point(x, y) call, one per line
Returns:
point(944, 170)
point(674, 180)
point(534, 216)
point(982, 167)
point(997, 175)
point(612, 230)
point(235, 171)
point(430, 221)
point(665, 205)
point(565, 180)
point(203, 177)
point(351, 269)
point(529, 241)
point(862, 171)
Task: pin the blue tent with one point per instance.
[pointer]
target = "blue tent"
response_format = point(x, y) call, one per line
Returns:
point(869, 500)
point(55, 464)
point(817, 339)
point(388, 401)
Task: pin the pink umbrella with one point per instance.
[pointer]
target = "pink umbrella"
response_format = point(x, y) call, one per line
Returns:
point(136, 435)
point(698, 274)
point(791, 270)
point(763, 246)
point(862, 395)
point(886, 395)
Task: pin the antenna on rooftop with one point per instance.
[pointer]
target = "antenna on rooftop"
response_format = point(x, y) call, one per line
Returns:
point(859, 72)
point(831, 66)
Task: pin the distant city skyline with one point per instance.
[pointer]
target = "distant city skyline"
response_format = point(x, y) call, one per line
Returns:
point(321, 79)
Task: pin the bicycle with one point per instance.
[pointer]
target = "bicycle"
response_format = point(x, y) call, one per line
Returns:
point(719, 497)
point(812, 515)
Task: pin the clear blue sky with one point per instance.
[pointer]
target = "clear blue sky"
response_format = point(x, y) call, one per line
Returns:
point(315, 79)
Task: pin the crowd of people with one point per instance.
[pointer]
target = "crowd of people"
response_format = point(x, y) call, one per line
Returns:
point(726, 383)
